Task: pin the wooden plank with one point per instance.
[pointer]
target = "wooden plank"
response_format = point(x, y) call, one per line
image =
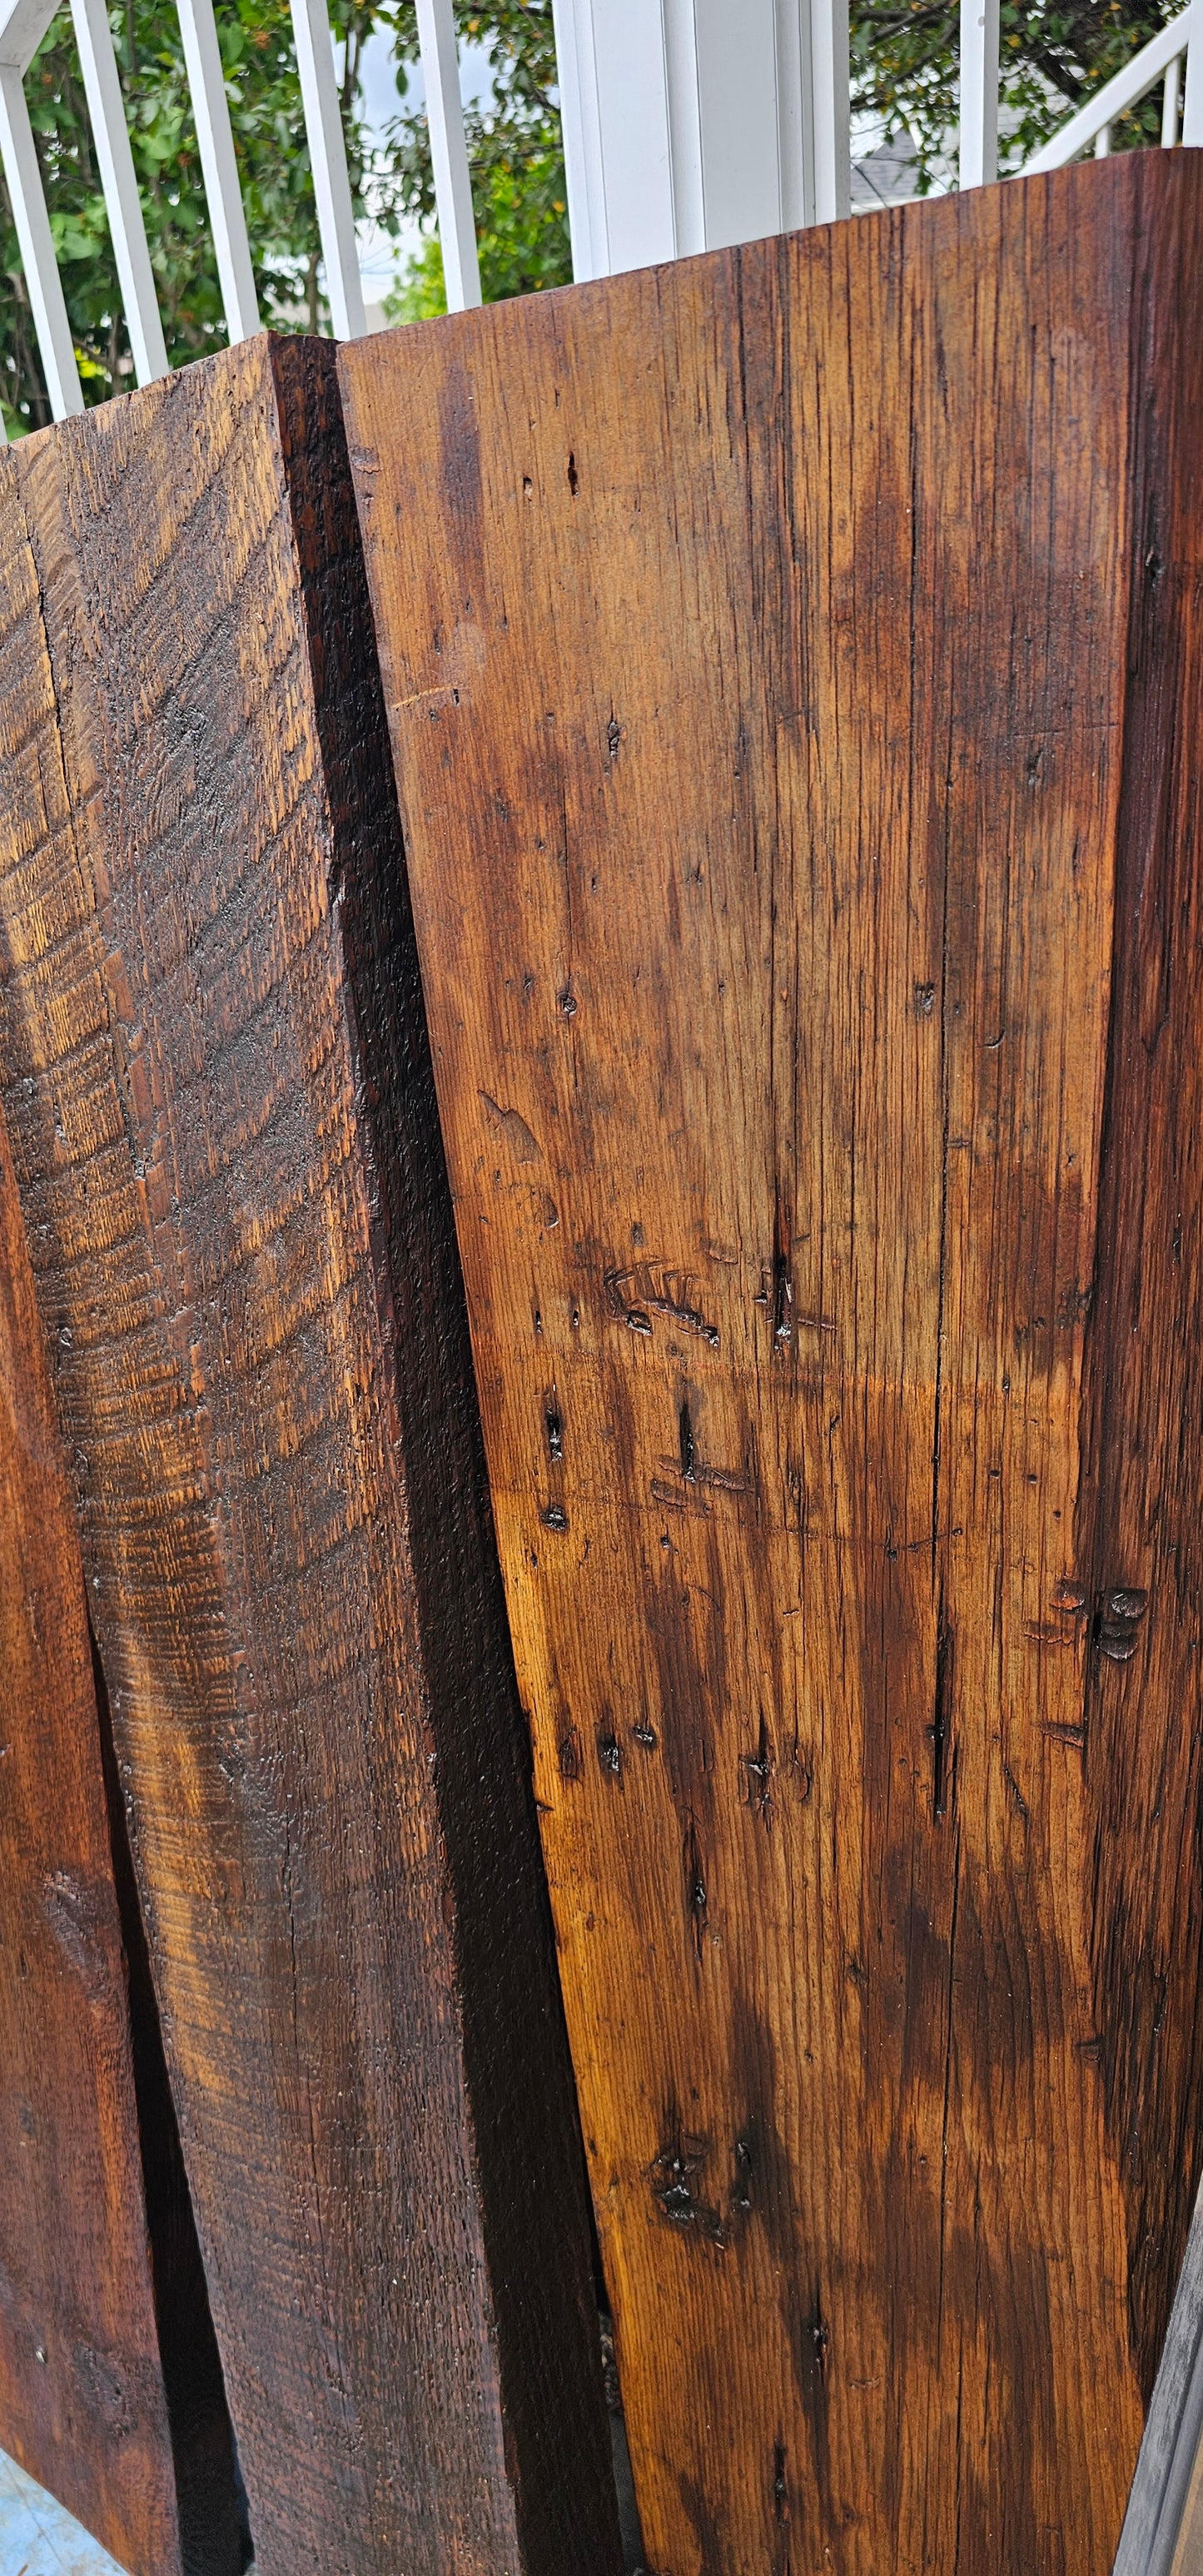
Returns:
point(82, 2404)
point(223, 1123)
point(1139, 1502)
point(110, 2389)
point(756, 638)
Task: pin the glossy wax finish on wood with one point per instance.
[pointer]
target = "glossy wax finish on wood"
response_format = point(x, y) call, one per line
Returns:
point(224, 1129)
point(792, 667)
point(82, 2402)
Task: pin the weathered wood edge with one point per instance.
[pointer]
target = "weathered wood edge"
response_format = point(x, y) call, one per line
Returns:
point(215, 2537)
point(205, 2507)
point(529, 2156)
point(1159, 843)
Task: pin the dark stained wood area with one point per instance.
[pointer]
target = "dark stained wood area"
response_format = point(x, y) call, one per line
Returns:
point(110, 2390)
point(223, 1124)
point(792, 661)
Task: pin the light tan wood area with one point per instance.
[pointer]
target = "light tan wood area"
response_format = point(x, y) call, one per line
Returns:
point(789, 658)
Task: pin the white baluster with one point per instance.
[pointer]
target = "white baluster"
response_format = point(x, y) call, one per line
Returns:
point(23, 24)
point(1169, 107)
point(1102, 143)
point(42, 279)
point(328, 161)
point(106, 109)
point(449, 153)
point(206, 80)
point(979, 93)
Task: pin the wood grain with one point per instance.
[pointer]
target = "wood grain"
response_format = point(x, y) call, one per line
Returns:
point(110, 2390)
point(223, 1123)
point(791, 667)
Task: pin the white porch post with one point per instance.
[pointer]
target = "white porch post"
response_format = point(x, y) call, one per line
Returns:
point(614, 92)
point(689, 124)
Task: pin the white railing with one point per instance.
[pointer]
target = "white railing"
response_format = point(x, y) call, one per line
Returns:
point(685, 128)
point(1161, 60)
point(23, 23)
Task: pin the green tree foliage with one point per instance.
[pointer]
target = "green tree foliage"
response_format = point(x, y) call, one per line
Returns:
point(904, 71)
point(904, 61)
point(516, 157)
point(904, 77)
point(269, 139)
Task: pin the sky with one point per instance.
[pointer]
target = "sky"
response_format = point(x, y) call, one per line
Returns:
point(379, 256)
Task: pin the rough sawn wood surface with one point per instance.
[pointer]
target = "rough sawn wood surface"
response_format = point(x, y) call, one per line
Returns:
point(111, 2391)
point(792, 661)
point(82, 2402)
point(224, 1130)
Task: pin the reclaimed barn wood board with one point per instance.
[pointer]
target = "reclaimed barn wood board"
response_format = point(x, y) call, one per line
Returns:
point(792, 665)
point(223, 1122)
point(110, 2386)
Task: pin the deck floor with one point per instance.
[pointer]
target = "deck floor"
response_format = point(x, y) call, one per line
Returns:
point(38, 2538)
